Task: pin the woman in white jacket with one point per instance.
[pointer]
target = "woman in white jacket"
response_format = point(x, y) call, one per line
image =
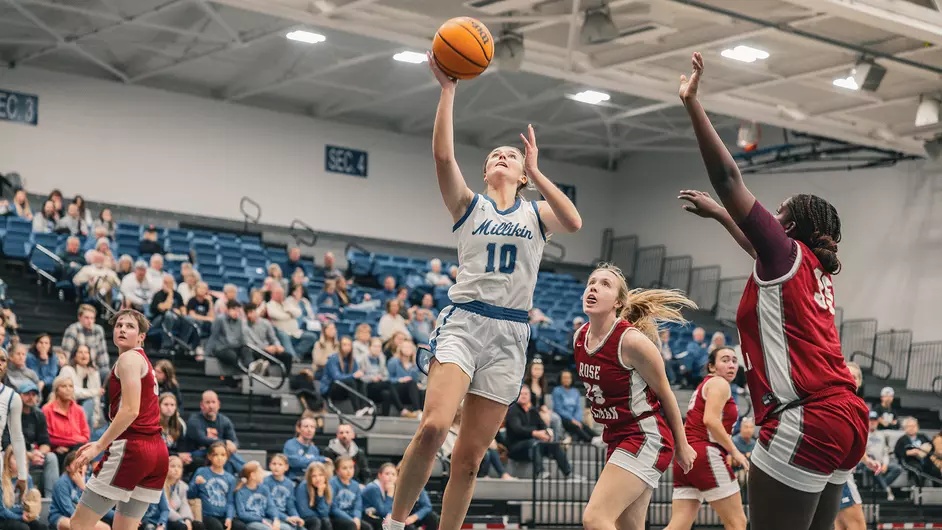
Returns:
point(87, 381)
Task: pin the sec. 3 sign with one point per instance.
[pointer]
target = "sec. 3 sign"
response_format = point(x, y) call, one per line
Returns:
point(18, 107)
point(346, 161)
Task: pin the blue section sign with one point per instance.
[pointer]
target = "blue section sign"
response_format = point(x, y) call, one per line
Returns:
point(568, 189)
point(18, 107)
point(346, 161)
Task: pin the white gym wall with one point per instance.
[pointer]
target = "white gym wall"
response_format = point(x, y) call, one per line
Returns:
point(150, 148)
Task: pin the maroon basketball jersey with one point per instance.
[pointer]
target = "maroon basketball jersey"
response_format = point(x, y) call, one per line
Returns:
point(618, 396)
point(789, 339)
point(694, 427)
point(147, 422)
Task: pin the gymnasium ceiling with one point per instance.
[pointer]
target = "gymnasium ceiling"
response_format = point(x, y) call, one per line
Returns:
point(235, 50)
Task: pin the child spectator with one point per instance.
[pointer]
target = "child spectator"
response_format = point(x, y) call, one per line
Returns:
point(375, 381)
point(362, 340)
point(66, 494)
point(405, 376)
point(180, 516)
point(282, 493)
point(166, 376)
point(328, 298)
point(325, 346)
point(86, 380)
point(156, 516)
point(346, 512)
point(215, 488)
point(41, 361)
point(378, 495)
point(254, 505)
point(18, 510)
point(567, 402)
point(300, 450)
point(172, 427)
point(313, 498)
point(341, 367)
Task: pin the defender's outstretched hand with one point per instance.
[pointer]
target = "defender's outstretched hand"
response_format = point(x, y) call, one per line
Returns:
point(690, 86)
point(700, 203)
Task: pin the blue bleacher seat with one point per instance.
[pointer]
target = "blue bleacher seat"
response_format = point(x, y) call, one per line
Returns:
point(50, 241)
point(346, 327)
point(18, 225)
point(17, 245)
point(239, 279)
point(360, 263)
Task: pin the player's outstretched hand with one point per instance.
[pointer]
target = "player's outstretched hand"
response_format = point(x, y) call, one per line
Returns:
point(690, 86)
point(700, 203)
point(685, 455)
point(85, 455)
point(440, 76)
point(530, 162)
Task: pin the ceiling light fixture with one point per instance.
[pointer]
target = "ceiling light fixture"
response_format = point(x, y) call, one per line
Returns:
point(928, 112)
point(848, 82)
point(592, 97)
point(307, 37)
point(746, 54)
point(508, 50)
point(410, 57)
point(598, 27)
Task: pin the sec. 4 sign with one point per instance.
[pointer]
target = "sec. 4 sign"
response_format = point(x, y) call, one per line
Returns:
point(346, 161)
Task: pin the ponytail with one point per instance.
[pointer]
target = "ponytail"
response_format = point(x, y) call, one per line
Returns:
point(825, 249)
point(646, 307)
point(817, 225)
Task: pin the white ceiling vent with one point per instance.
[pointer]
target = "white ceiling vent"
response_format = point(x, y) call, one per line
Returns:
point(497, 7)
point(647, 32)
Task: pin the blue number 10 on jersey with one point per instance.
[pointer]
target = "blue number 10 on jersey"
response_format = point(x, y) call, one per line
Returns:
point(506, 258)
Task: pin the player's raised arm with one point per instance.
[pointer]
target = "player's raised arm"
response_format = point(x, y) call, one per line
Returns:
point(723, 171)
point(455, 191)
point(557, 213)
point(638, 351)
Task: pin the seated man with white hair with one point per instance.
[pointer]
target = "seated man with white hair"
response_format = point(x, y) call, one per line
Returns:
point(96, 277)
point(284, 314)
point(137, 288)
point(435, 276)
point(92, 241)
point(155, 273)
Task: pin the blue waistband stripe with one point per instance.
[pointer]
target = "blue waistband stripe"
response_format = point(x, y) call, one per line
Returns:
point(495, 312)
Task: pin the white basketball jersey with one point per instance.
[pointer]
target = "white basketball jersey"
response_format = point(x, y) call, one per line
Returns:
point(499, 253)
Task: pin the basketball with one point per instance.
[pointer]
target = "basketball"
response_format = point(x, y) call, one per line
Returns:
point(463, 47)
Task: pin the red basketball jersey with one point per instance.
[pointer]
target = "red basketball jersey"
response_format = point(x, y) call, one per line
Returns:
point(694, 427)
point(789, 339)
point(618, 396)
point(147, 422)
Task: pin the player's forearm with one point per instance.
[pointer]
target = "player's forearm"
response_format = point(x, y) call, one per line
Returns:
point(716, 429)
point(119, 424)
point(672, 415)
point(443, 132)
point(565, 210)
point(720, 165)
point(727, 221)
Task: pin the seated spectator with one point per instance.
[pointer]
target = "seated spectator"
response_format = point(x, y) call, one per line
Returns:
point(392, 321)
point(105, 220)
point(664, 336)
point(41, 361)
point(300, 450)
point(308, 313)
point(327, 344)
point(21, 205)
point(328, 298)
point(535, 378)
point(137, 289)
point(18, 374)
point(168, 319)
point(453, 273)
point(260, 334)
point(294, 262)
point(389, 289)
point(281, 489)
point(86, 382)
point(56, 197)
point(229, 292)
point(253, 502)
point(199, 308)
point(913, 449)
point(91, 242)
point(166, 376)
point(208, 426)
point(428, 303)
point(391, 346)
point(277, 276)
point(936, 457)
point(284, 316)
point(65, 419)
point(45, 222)
point(85, 214)
point(375, 383)
point(491, 456)
point(692, 360)
point(39, 453)
point(745, 441)
point(378, 495)
point(124, 266)
point(157, 515)
point(298, 278)
point(404, 376)
point(331, 272)
point(718, 340)
point(72, 223)
point(361, 340)
point(883, 472)
point(19, 510)
point(172, 428)
point(73, 257)
point(87, 332)
point(187, 288)
point(155, 272)
point(529, 439)
point(66, 494)
point(421, 324)
point(343, 368)
point(149, 243)
point(227, 338)
point(402, 294)
point(95, 278)
point(346, 512)
point(345, 446)
point(181, 514)
point(435, 276)
point(214, 486)
point(887, 410)
point(568, 404)
point(313, 498)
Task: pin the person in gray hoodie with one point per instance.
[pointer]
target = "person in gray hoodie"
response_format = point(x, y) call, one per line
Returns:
point(343, 445)
point(228, 337)
point(261, 335)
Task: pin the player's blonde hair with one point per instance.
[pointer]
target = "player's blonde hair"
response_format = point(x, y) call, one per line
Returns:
point(644, 308)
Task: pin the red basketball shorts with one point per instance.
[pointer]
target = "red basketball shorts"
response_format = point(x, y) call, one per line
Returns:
point(811, 445)
point(132, 469)
point(710, 479)
point(644, 448)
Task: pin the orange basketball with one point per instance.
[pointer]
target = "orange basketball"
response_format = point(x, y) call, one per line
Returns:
point(463, 47)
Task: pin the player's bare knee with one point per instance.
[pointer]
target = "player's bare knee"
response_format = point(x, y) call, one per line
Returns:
point(464, 465)
point(736, 522)
point(593, 519)
point(431, 433)
point(101, 525)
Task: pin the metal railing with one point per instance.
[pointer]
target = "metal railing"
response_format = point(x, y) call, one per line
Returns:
point(727, 298)
point(256, 378)
point(894, 347)
point(677, 272)
point(705, 286)
point(251, 211)
point(302, 233)
point(925, 363)
point(885, 367)
point(623, 251)
point(42, 274)
point(353, 420)
point(649, 266)
point(557, 251)
point(858, 336)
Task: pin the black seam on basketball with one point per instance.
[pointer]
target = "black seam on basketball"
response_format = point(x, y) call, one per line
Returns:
point(452, 73)
point(475, 35)
point(465, 57)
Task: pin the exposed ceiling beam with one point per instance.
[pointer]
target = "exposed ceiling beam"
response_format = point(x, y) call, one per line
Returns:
point(902, 18)
point(572, 40)
point(221, 22)
point(62, 43)
point(281, 83)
